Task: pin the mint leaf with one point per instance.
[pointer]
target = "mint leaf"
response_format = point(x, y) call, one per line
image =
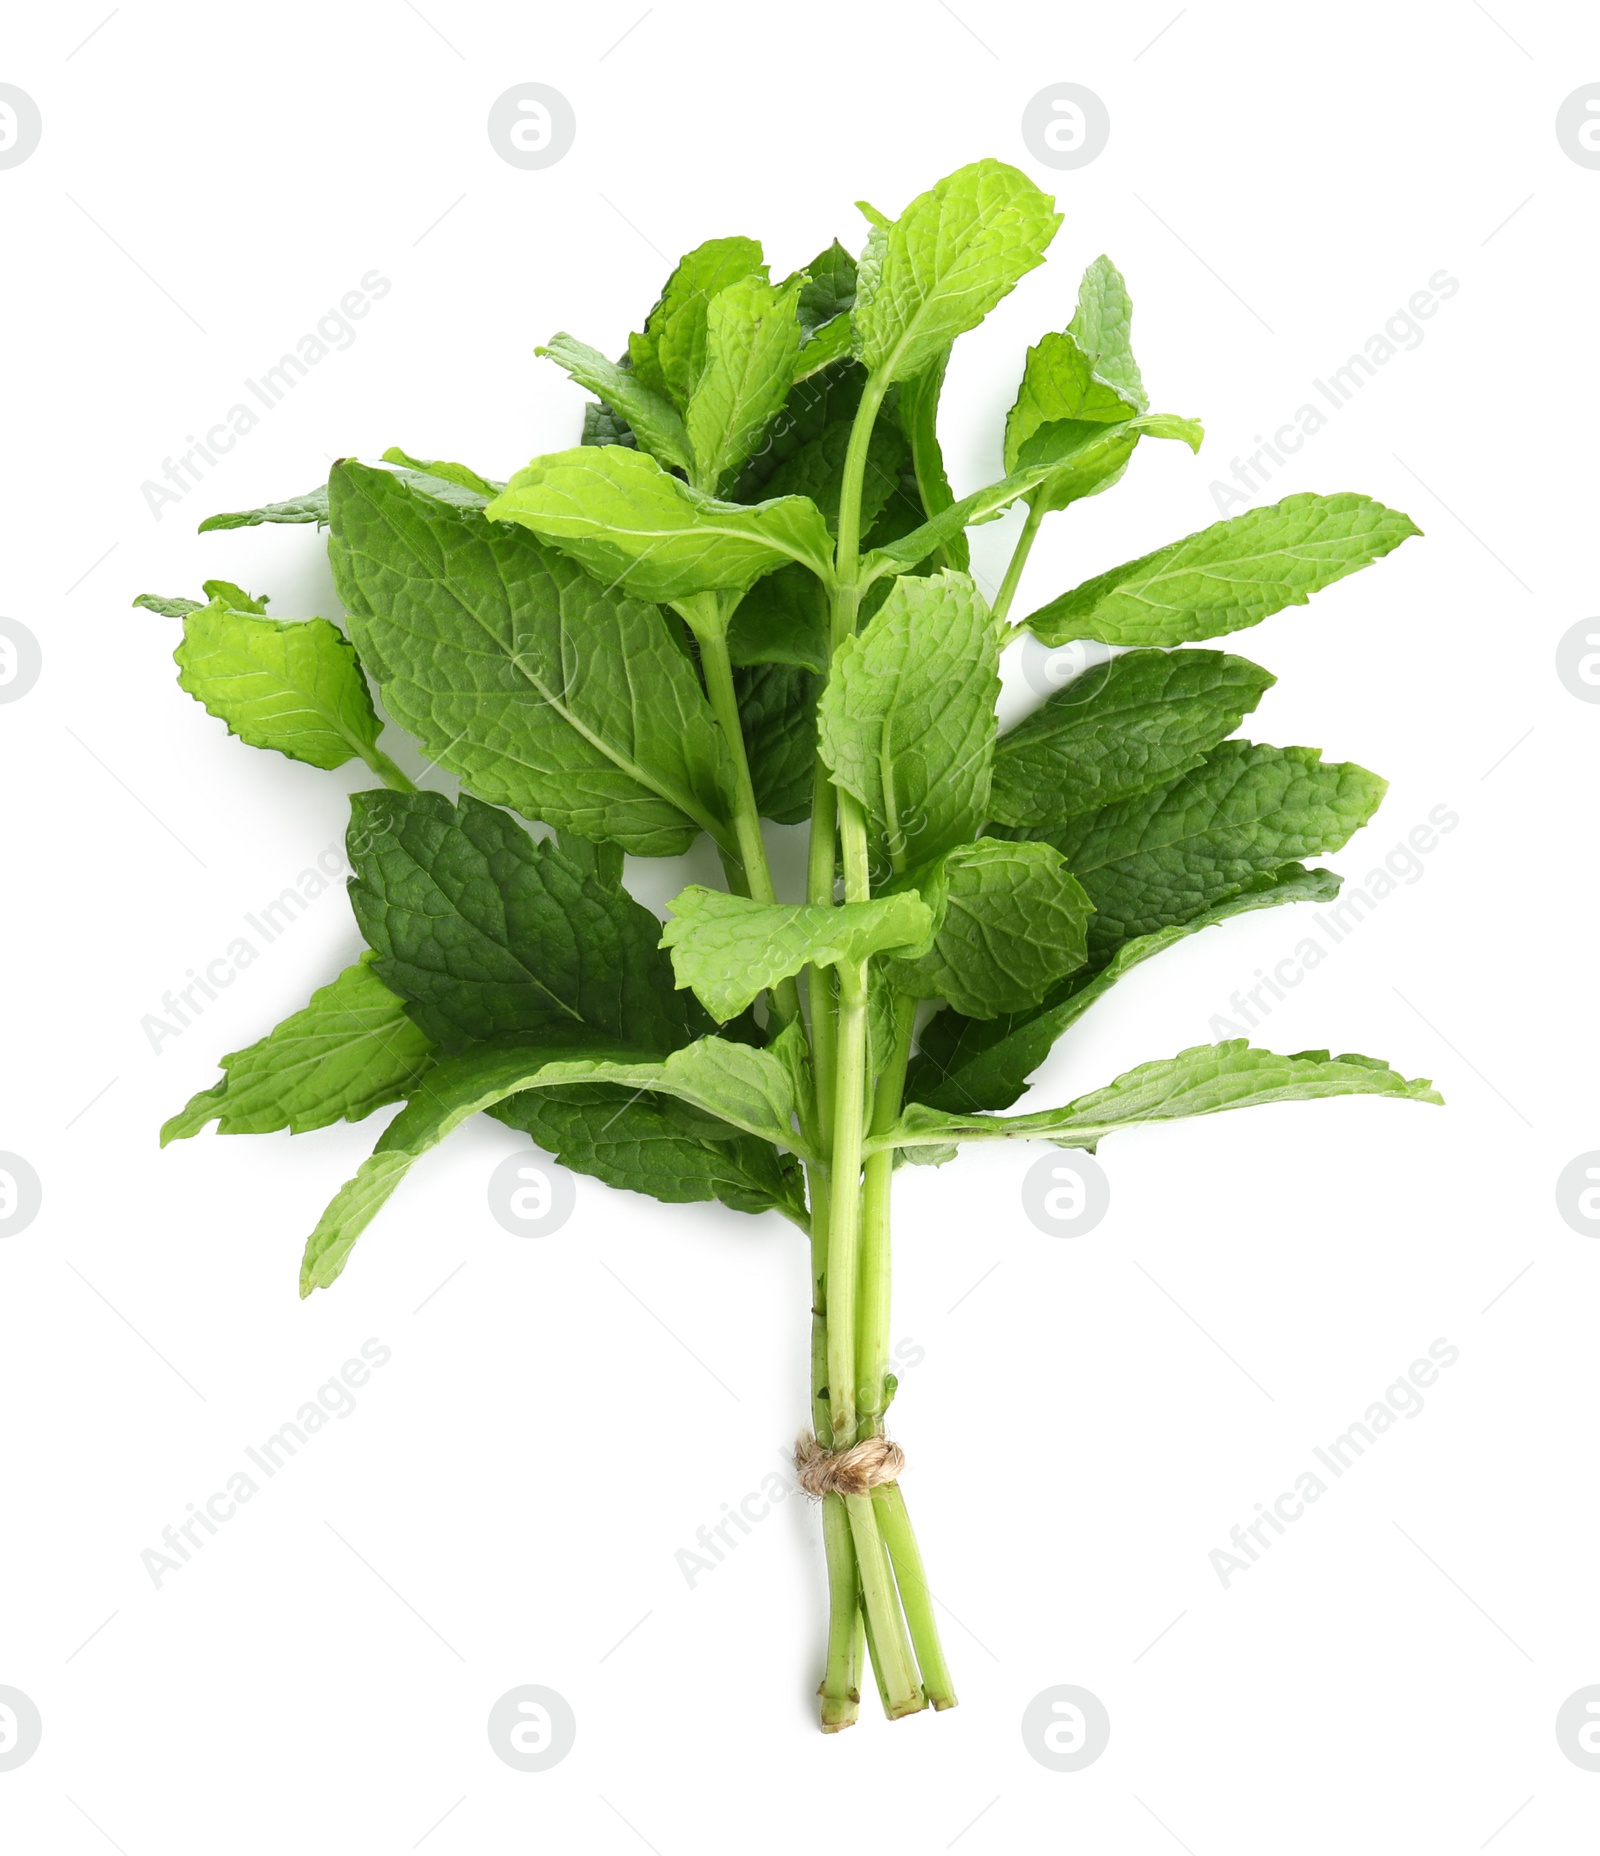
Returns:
point(918, 412)
point(969, 1063)
point(1200, 1081)
point(908, 550)
point(601, 861)
point(945, 262)
point(1119, 729)
point(749, 1088)
point(783, 619)
point(654, 1144)
point(632, 524)
point(517, 673)
point(827, 288)
point(225, 593)
point(348, 1052)
point(1060, 387)
point(730, 950)
point(752, 342)
point(311, 507)
point(294, 686)
point(670, 353)
point(1165, 855)
point(1012, 920)
point(461, 475)
point(778, 717)
point(168, 608)
point(1086, 465)
point(1101, 329)
point(491, 935)
point(650, 416)
point(907, 723)
point(1230, 575)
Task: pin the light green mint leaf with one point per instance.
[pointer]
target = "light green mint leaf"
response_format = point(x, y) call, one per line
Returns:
point(516, 672)
point(753, 341)
point(1101, 329)
point(1089, 459)
point(1119, 729)
point(1012, 921)
point(907, 721)
point(966, 1064)
point(918, 412)
point(644, 1142)
point(649, 415)
point(235, 598)
point(907, 551)
point(730, 950)
point(831, 343)
point(493, 936)
point(1230, 575)
point(1060, 387)
point(296, 687)
point(1165, 855)
point(348, 1052)
point(670, 353)
point(945, 262)
point(632, 524)
point(168, 608)
point(733, 1082)
point(312, 507)
point(461, 475)
point(1200, 1081)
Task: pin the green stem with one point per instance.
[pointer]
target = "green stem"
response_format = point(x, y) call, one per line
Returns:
point(841, 1696)
point(844, 1212)
point(872, 1308)
point(387, 771)
point(820, 866)
point(1019, 560)
point(886, 1625)
point(895, 1524)
point(718, 669)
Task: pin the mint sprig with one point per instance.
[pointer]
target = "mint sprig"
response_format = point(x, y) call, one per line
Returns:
point(744, 599)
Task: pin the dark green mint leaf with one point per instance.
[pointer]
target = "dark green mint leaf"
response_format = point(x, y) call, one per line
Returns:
point(1012, 921)
point(536, 687)
point(1163, 856)
point(1119, 729)
point(970, 1063)
point(493, 936)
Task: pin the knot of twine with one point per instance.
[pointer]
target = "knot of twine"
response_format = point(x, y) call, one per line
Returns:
point(854, 1471)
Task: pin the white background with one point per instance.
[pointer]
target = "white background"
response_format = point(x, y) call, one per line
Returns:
point(1090, 1416)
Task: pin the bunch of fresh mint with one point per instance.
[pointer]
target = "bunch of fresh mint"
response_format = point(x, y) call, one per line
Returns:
point(744, 597)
